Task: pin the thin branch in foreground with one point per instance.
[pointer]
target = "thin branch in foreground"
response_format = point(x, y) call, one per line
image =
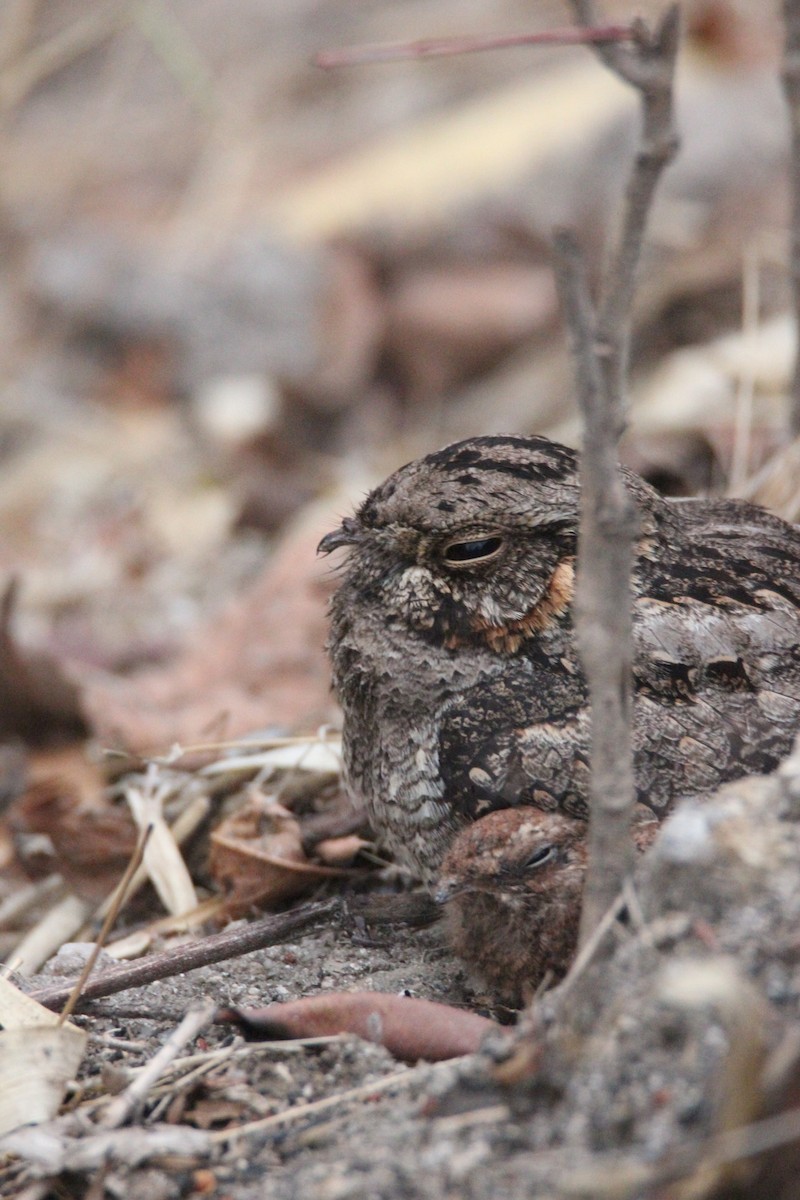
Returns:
point(230, 943)
point(118, 898)
point(381, 52)
point(600, 340)
point(648, 66)
point(791, 87)
point(603, 602)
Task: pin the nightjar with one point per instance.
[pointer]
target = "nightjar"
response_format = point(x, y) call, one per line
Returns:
point(512, 884)
point(454, 656)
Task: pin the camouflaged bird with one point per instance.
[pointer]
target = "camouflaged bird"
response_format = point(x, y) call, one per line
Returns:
point(454, 656)
point(512, 884)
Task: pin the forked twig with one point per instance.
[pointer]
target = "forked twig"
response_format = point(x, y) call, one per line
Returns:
point(600, 342)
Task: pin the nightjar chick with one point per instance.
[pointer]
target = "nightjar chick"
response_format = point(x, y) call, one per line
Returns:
point(454, 656)
point(512, 884)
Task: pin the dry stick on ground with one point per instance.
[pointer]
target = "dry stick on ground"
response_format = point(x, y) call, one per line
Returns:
point(791, 87)
point(118, 898)
point(600, 341)
point(229, 944)
point(124, 1106)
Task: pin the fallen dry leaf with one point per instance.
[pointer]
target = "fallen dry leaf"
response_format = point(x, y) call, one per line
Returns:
point(163, 860)
point(407, 1027)
point(777, 484)
point(424, 171)
point(257, 858)
point(38, 704)
point(63, 823)
point(38, 1057)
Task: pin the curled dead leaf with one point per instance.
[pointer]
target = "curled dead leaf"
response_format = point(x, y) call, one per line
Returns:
point(64, 823)
point(257, 858)
point(408, 1027)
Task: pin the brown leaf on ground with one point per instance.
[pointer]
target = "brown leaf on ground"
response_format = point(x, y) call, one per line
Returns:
point(63, 823)
point(257, 858)
point(38, 704)
point(260, 663)
point(407, 1027)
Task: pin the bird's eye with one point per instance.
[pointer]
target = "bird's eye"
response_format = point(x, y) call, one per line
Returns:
point(474, 550)
point(541, 856)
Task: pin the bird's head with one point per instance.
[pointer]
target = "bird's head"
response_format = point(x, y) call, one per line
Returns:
point(472, 545)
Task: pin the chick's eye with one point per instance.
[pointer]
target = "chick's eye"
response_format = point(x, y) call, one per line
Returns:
point(541, 856)
point(474, 550)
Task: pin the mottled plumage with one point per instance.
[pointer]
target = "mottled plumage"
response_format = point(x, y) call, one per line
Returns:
point(513, 883)
point(454, 655)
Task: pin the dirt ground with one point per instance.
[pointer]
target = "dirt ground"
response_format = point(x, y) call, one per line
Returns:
point(335, 1152)
point(676, 1050)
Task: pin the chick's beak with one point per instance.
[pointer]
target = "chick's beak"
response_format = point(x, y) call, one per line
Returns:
point(347, 534)
point(446, 889)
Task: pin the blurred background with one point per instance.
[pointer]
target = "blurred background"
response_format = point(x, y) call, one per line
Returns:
point(237, 290)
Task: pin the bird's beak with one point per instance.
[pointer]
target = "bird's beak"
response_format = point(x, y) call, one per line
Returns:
point(348, 533)
point(446, 890)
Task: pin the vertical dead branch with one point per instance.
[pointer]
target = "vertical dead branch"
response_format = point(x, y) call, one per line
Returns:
point(603, 598)
point(600, 341)
point(791, 87)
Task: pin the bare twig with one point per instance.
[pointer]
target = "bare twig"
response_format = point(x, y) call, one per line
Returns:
point(351, 56)
point(184, 825)
point(590, 947)
point(402, 1080)
point(600, 339)
point(648, 66)
point(119, 896)
point(228, 944)
point(791, 87)
point(57, 926)
point(607, 1174)
point(122, 1107)
point(603, 599)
